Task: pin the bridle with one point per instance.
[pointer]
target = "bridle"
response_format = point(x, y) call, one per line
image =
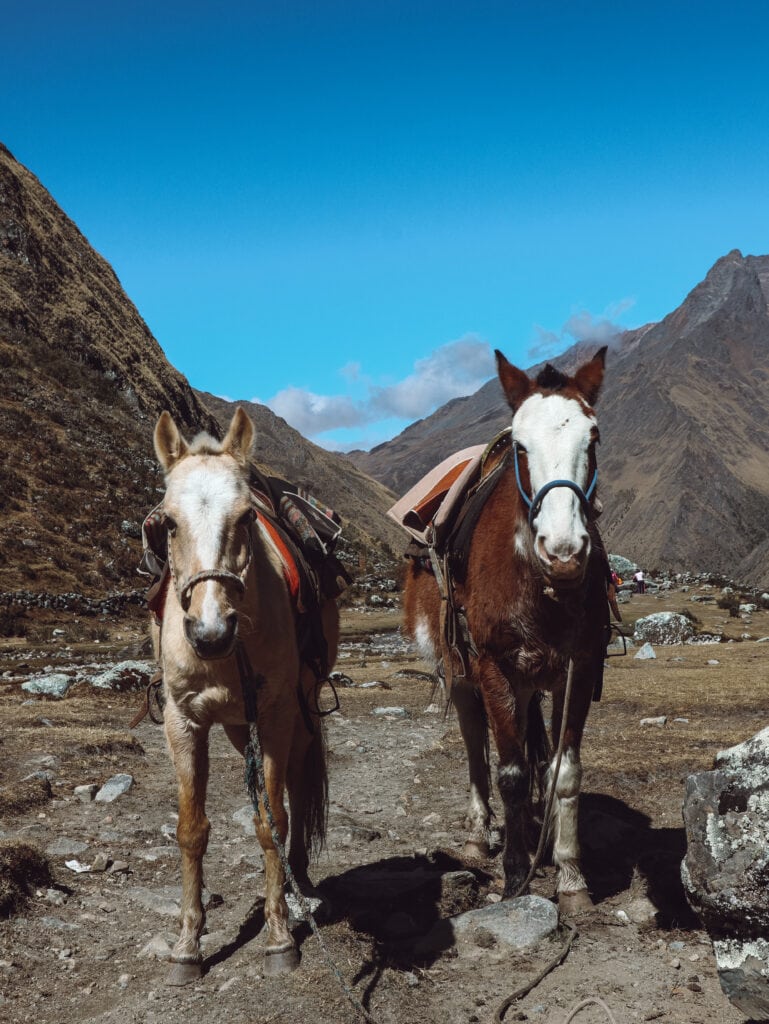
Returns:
point(535, 504)
point(184, 593)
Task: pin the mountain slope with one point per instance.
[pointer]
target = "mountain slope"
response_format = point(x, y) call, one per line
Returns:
point(83, 381)
point(684, 417)
point(360, 500)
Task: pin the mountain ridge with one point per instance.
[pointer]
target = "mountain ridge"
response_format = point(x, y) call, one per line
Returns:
point(684, 416)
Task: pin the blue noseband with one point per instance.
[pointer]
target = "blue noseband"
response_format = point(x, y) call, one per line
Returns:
point(535, 503)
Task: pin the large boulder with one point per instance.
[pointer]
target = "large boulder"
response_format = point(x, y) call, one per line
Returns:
point(622, 566)
point(663, 628)
point(726, 868)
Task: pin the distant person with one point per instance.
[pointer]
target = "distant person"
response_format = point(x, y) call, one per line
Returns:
point(640, 582)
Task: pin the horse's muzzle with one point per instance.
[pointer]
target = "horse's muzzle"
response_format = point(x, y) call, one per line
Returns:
point(560, 570)
point(212, 640)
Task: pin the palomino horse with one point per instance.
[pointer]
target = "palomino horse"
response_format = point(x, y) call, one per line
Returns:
point(229, 599)
point(534, 595)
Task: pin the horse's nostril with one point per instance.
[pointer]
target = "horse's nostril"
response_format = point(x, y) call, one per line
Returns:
point(210, 640)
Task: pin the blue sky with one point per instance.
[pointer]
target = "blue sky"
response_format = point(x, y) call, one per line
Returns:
point(342, 208)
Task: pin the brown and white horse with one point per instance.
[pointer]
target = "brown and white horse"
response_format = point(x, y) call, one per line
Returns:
point(534, 595)
point(228, 590)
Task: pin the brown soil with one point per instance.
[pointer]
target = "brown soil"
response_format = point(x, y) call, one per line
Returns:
point(398, 790)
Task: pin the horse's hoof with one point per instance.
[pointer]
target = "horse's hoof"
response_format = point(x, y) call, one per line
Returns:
point(475, 849)
point(577, 902)
point(184, 974)
point(280, 961)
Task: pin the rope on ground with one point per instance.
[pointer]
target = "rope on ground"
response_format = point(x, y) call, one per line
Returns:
point(590, 1001)
point(525, 989)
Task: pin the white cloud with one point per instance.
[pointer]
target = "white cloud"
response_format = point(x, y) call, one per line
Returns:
point(451, 371)
point(582, 325)
point(312, 414)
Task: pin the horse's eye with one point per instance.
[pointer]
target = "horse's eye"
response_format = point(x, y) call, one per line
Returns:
point(247, 518)
point(170, 524)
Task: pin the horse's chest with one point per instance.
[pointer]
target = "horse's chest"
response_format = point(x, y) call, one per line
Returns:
point(535, 646)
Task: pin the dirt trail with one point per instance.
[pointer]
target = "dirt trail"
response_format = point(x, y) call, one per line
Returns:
point(79, 951)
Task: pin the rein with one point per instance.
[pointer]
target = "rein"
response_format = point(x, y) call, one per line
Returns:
point(184, 593)
point(535, 504)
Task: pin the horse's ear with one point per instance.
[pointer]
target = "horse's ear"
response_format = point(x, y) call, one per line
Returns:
point(515, 384)
point(170, 446)
point(240, 437)
point(589, 376)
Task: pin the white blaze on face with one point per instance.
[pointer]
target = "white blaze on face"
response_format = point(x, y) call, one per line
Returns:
point(556, 433)
point(204, 497)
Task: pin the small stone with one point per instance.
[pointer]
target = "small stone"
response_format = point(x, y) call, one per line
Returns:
point(124, 980)
point(85, 794)
point(64, 847)
point(100, 862)
point(114, 787)
point(245, 818)
point(393, 712)
point(118, 867)
point(226, 985)
point(55, 897)
point(158, 948)
point(645, 652)
point(675, 963)
point(660, 720)
point(713, 661)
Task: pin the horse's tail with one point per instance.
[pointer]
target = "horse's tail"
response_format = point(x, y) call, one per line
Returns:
point(315, 779)
point(537, 747)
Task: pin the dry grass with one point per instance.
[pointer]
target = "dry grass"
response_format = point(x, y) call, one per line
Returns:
point(21, 867)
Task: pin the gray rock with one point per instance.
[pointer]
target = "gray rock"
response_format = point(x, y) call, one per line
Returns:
point(394, 712)
point(642, 911)
point(245, 818)
point(663, 628)
point(659, 720)
point(54, 684)
point(622, 566)
point(515, 924)
point(726, 813)
point(114, 787)
point(85, 794)
point(645, 653)
point(124, 677)
point(64, 847)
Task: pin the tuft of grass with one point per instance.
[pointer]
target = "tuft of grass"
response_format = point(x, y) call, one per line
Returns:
point(22, 867)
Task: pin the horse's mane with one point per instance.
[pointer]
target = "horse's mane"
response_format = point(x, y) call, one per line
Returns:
point(551, 378)
point(205, 444)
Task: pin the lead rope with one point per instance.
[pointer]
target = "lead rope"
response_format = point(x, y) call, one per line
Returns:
point(257, 790)
point(563, 952)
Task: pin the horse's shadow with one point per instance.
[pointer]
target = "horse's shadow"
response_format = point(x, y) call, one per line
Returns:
point(621, 849)
point(393, 902)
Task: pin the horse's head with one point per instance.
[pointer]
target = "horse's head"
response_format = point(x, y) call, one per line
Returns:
point(207, 508)
point(554, 437)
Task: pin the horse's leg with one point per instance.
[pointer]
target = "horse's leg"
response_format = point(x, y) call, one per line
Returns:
point(474, 729)
point(188, 744)
point(507, 710)
point(573, 895)
point(280, 955)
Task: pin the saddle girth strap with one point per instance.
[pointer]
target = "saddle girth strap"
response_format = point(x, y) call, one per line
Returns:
point(457, 644)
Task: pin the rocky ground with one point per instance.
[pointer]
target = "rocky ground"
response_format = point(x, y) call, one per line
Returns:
point(88, 945)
